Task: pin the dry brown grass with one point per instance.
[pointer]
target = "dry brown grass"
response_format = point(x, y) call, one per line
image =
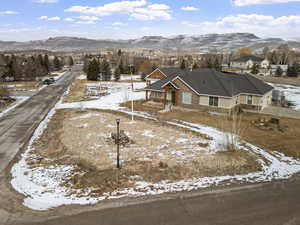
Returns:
point(287, 142)
point(281, 80)
point(66, 142)
point(77, 91)
point(25, 84)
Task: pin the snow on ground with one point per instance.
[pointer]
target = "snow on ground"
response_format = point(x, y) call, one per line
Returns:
point(42, 188)
point(19, 100)
point(292, 93)
point(81, 77)
point(119, 93)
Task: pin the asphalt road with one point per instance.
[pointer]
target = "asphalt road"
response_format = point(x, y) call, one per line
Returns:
point(18, 125)
point(267, 204)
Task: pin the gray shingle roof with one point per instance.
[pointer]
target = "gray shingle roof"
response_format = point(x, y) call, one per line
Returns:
point(212, 82)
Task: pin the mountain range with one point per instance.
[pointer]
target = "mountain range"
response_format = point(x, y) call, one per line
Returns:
point(224, 42)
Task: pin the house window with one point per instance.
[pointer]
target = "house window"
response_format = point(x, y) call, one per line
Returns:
point(186, 98)
point(249, 100)
point(213, 101)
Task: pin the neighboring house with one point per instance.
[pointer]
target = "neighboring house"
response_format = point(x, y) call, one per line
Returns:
point(207, 89)
point(247, 62)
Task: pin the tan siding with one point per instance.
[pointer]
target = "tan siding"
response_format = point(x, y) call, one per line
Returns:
point(204, 100)
point(225, 102)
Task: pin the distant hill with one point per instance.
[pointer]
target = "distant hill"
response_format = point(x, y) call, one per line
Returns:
point(206, 42)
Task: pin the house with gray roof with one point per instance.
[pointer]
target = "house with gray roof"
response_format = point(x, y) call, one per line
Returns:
point(207, 88)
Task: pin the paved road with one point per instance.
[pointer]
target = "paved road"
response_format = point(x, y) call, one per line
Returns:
point(18, 125)
point(275, 203)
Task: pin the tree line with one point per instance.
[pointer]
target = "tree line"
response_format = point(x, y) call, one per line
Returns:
point(26, 68)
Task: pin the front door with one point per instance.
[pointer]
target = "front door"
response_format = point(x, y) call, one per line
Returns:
point(173, 93)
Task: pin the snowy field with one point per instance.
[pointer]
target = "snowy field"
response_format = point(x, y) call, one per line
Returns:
point(43, 191)
point(292, 93)
point(19, 100)
point(122, 77)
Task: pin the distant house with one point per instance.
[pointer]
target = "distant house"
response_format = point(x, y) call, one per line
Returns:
point(207, 89)
point(247, 62)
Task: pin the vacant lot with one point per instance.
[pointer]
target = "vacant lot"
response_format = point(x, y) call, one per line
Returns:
point(286, 141)
point(157, 151)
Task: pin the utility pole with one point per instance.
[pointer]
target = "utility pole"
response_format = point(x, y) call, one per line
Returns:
point(118, 143)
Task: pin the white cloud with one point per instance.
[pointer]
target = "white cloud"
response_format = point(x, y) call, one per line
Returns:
point(86, 22)
point(8, 12)
point(69, 19)
point(189, 8)
point(108, 9)
point(89, 18)
point(158, 7)
point(152, 12)
point(257, 2)
point(138, 9)
point(119, 24)
point(46, 1)
point(55, 18)
point(263, 25)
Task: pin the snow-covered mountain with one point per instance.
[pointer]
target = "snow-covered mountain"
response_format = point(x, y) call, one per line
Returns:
point(226, 42)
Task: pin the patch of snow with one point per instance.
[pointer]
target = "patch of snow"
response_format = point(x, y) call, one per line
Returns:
point(81, 77)
point(85, 116)
point(148, 133)
point(85, 125)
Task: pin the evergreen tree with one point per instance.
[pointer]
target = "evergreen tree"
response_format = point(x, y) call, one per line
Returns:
point(85, 63)
point(117, 74)
point(195, 66)
point(46, 63)
point(119, 52)
point(93, 70)
point(56, 63)
point(183, 65)
point(254, 69)
point(105, 70)
point(13, 68)
point(121, 67)
point(143, 76)
point(71, 61)
point(293, 70)
point(278, 72)
point(217, 65)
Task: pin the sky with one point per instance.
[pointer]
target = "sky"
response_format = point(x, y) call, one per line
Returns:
point(24, 20)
